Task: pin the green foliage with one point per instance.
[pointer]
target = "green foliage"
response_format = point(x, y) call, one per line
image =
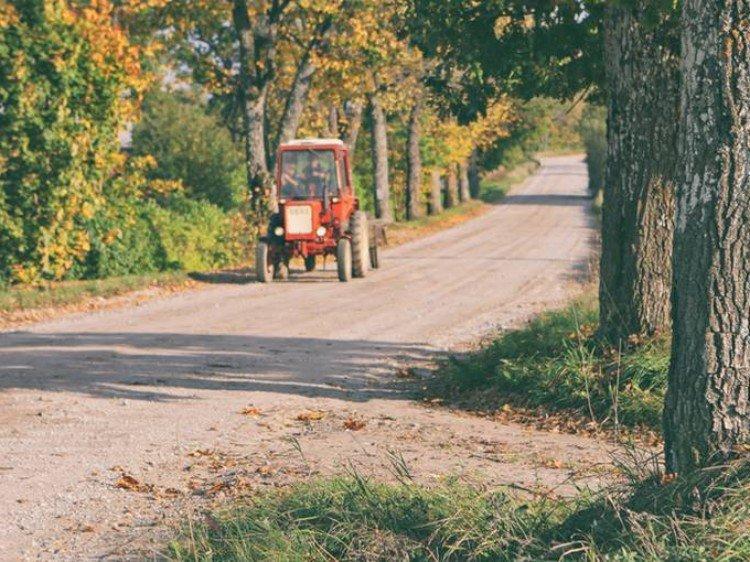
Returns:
point(593, 129)
point(541, 125)
point(190, 146)
point(557, 363)
point(61, 110)
point(198, 236)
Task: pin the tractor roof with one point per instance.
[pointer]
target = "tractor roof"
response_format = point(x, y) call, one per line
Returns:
point(313, 142)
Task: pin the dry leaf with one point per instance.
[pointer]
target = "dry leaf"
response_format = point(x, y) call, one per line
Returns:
point(127, 482)
point(311, 415)
point(250, 411)
point(201, 453)
point(353, 424)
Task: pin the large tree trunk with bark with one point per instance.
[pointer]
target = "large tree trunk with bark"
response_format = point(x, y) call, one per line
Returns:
point(451, 188)
point(436, 192)
point(381, 187)
point(257, 52)
point(637, 217)
point(464, 192)
point(414, 164)
point(474, 179)
point(707, 411)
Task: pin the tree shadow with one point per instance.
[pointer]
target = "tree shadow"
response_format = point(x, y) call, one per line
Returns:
point(142, 366)
point(548, 200)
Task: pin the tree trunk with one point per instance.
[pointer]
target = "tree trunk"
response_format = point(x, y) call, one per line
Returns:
point(353, 112)
point(451, 191)
point(463, 182)
point(333, 122)
point(436, 192)
point(707, 413)
point(414, 164)
point(638, 208)
point(257, 45)
point(382, 188)
point(474, 180)
point(297, 99)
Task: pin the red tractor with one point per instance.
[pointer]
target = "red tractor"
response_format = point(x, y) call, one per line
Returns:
point(319, 214)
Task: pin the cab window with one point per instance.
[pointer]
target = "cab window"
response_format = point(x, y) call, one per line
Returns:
point(309, 174)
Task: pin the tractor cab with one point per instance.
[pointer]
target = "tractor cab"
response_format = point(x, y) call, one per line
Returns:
point(318, 213)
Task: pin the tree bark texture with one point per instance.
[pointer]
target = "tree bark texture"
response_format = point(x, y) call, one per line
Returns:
point(451, 187)
point(707, 413)
point(353, 112)
point(257, 52)
point(414, 164)
point(474, 179)
point(381, 187)
point(436, 193)
point(638, 208)
point(464, 192)
point(297, 98)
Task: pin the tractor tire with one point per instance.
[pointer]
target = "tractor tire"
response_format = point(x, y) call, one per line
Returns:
point(360, 243)
point(263, 267)
point(374, 259)
point(310, 263)
point(344, 259)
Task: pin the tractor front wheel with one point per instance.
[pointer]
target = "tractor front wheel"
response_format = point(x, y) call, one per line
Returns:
point(360, 244)
point(263, 265)
point(310, 263)
point(344, 259)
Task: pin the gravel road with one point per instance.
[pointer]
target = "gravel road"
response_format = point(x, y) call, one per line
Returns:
point(155, 392)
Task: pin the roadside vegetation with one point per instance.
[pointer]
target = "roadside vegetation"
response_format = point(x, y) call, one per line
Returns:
point(558, 365)
point(64, 293)
point(647, 518)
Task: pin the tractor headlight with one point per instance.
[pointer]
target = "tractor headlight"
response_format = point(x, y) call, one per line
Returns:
point(279, 231)
point(321, 231)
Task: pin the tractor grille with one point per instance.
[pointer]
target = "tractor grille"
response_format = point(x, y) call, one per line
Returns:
point(299, 219)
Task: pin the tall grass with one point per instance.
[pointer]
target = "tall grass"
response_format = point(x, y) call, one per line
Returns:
point(558, 364)
point(703, 517)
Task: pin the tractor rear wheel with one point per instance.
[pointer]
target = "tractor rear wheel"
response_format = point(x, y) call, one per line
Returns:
point(360, 244)
point(344, 259)
point(310, 263)
point(263, 266)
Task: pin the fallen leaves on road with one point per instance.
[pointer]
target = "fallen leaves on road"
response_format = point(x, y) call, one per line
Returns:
point(128, 482)
point(353, 424)
point(251, 411)
point(311, 415)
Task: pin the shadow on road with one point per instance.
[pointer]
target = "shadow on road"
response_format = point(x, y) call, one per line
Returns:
point(142, 366)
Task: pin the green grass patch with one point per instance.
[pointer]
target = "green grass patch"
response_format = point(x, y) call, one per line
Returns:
point(556, 363)
point(700, 518)
point(63, 293)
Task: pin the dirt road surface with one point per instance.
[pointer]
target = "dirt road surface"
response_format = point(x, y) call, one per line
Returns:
point(113, 424)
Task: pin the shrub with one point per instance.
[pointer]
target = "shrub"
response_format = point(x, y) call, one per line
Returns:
point(192, 147)
point(197, 235)
point(64, 76)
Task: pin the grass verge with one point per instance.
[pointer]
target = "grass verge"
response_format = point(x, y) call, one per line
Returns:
point(699, 518)
point(557, 365)
point(19, 299)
